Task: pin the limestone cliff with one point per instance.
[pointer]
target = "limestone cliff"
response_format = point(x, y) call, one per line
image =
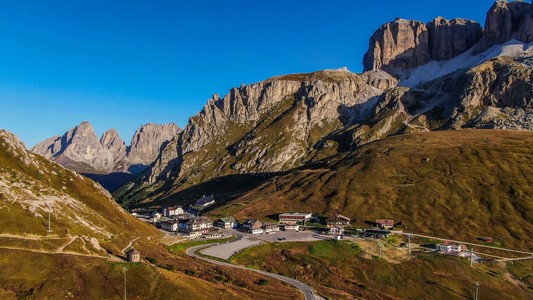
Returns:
point(80, 149)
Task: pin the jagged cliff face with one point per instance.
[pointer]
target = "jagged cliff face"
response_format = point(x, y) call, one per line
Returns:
point(80, 149)
point(405, 44)
point(269, 126)
point(505, 21)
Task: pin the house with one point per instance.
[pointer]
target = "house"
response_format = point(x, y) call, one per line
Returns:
point(155, 217)
point(171, 211)
point(290, 227)
point(376, 234)
point(295, 218)
point(169, 225)
point(198, 225)
point(335, 231)
point(133, 255)
point(203, 203)
point(269, 227)
point(338, 221)
point(225, 223)
point(251, 225)
point(385, 224)
point(449, 247)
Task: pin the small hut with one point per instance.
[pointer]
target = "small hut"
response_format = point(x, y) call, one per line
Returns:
point(133, 255)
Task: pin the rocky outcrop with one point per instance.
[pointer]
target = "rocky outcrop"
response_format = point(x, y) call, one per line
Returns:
point(449, 38)
point(506, 21)
point(81, 150)
point(406, 44)
point(112, 141)
point(402, 44)
point(268, 126)
point(148, 141)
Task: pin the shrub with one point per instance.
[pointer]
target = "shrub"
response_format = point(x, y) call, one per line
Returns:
point(263, 282)
point(152, 260)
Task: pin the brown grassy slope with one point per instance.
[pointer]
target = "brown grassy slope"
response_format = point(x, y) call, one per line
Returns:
point(39, 181)
point(337, 270)
point(453, 184)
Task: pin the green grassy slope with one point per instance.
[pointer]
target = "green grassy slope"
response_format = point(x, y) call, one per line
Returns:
point(337, 270)
point(454, 184)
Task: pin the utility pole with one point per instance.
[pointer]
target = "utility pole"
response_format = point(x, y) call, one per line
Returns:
point(409, 243)
point(125, 269)
point(379, 246)
point(471, 256)
point(49, 229)
point(477, 289)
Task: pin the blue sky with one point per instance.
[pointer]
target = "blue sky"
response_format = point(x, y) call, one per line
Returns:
point(121, 64)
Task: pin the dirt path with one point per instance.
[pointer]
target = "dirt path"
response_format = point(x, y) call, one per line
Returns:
point(50, 252)
point(123, 251)
point(72, 239)
point(472, 244)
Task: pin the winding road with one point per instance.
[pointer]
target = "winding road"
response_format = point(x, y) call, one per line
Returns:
point(309, 294)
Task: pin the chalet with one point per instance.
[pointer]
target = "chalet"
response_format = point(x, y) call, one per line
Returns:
point(198, 225)
point(290, 227)
point(385, 224)
point(376, 234)
point(133, 255)
point(335, 231)
point(338, 221)
point(252, 225)
point(203, 203)
point(226, 223)
point(169, 225)
point(171, 211)
point(295, 218)
point(449, 247)
point(269, 227)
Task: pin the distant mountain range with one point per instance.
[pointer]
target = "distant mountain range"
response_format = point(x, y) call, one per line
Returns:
point(80, 150)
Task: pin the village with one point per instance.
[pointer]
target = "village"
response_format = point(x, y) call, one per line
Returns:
point(188, 224)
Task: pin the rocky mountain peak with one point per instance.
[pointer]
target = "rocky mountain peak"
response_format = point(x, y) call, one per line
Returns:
point(506, 21)
point(405, 44)
point(401, 44)
point(81, 150)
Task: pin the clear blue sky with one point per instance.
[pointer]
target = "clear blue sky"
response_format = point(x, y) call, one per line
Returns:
point(121, 64)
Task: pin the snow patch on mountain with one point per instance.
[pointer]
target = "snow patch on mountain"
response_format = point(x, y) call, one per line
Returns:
point(435, 69)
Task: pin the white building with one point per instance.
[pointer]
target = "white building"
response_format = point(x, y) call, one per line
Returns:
point(169, 225)
point(170, 211)
point(290, 227)
point(256, 231)
point(295, 218)
point(199, 224)
point(448, 247)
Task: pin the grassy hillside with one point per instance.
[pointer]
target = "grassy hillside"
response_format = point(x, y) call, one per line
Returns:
point(338, 270)
point(68, 261)
point(455, 184)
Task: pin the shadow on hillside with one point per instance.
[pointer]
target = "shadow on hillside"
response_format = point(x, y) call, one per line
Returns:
point(224, 188)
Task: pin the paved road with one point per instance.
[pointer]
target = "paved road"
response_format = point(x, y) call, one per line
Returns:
point(461, 242)
point(309, 294)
